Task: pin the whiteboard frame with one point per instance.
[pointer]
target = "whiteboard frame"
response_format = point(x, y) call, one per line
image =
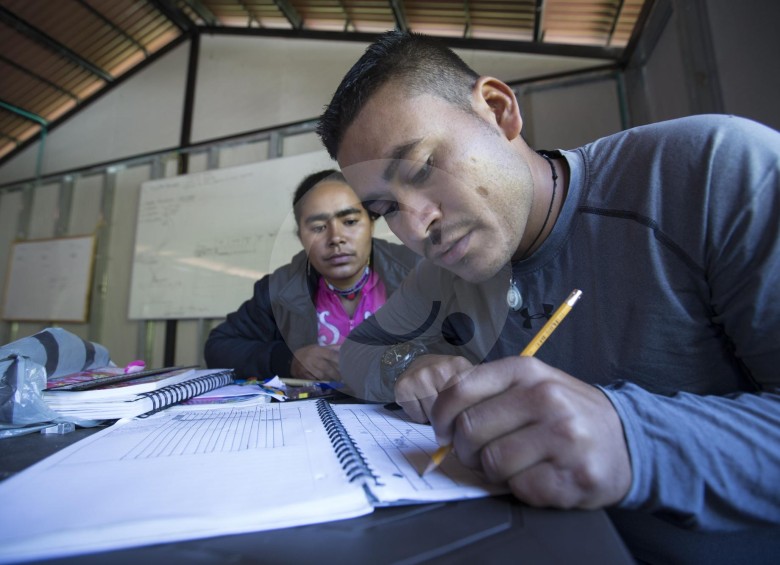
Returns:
point(56, 285)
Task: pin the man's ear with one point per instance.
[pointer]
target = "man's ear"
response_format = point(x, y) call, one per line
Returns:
point(496, 102)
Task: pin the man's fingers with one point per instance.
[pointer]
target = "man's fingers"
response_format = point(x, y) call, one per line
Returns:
point(328, 368)
point(418, 387)
point(475, 386)
point(559, 443)
point(414, 410)
point(545, 485)
point(494, 417)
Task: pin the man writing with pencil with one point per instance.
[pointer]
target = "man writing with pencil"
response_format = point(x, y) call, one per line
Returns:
point(657, 396)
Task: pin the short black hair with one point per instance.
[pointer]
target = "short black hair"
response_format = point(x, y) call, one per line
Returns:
point(425, 65)
point(313, 180)
point(310, 182)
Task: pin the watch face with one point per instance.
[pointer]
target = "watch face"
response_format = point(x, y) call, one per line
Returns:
point(397, 358)
point(396, 354)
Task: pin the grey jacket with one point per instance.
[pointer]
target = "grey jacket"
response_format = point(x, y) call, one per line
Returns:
point(258, 339)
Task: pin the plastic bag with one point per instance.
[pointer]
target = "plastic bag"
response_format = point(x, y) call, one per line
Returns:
point(20, 392)
point(25, 366)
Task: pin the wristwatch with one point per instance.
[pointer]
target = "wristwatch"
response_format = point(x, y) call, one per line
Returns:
point(398, 357)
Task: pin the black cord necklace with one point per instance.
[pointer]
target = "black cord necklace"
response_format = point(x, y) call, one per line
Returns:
point(552, 201)
point(513, 297)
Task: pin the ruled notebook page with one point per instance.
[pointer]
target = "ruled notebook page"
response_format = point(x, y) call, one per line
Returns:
point(178, 475)
point(396, 449)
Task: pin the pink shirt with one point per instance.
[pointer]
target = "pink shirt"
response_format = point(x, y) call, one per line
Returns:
point(333, 323)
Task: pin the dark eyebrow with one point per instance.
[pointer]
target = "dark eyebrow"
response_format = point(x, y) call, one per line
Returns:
point(396, 156)
point(325, 217)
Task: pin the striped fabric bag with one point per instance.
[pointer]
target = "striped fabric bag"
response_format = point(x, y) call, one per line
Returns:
point(26, 364)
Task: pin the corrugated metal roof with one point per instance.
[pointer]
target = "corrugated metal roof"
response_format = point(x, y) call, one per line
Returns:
point(56, 54)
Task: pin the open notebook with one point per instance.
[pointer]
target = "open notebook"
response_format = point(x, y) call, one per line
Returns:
point(182, 474)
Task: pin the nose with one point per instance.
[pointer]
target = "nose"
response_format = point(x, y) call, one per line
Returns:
point(421, 218)
point(335, 234)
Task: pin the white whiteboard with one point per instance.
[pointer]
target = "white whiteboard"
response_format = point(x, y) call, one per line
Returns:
point(203, 239)
point(49, 280)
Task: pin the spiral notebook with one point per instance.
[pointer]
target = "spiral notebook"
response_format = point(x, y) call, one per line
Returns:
point(180, 475)
point(144, 395)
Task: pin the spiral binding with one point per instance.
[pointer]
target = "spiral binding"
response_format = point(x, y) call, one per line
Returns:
point(172, 394)
point(348, 454)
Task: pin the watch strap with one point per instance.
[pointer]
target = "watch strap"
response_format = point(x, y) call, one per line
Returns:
point(397, 358)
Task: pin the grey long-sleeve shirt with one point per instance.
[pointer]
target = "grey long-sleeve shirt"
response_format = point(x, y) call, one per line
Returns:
point(672, 232)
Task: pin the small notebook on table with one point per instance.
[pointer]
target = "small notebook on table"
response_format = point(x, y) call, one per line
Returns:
point(143, 393)
point(181, 475)
point(101, 377)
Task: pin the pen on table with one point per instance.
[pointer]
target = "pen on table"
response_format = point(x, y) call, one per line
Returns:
point(530, 350)
point(302, 382)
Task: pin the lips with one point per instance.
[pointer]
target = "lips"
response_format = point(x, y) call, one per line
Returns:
point(454, 252)
point(339, 258)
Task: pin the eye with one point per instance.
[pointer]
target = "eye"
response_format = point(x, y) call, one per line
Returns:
point(425, 171)
point(318, 228)
point(381, 207)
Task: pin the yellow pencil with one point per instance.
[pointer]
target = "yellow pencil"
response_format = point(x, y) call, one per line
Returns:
point(549, 327)
point(530, 350)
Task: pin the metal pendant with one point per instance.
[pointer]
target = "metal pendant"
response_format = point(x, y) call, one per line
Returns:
point(513, 297)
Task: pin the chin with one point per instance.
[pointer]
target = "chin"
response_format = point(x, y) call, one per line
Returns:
point(475, 273)
point(471, 274)
point(335, 276)
point(473, 277)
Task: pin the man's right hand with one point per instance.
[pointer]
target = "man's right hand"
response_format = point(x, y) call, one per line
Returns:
point(419, 385)
point(316, 362)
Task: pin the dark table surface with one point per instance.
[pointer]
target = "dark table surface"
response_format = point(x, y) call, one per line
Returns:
point(489, 530)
